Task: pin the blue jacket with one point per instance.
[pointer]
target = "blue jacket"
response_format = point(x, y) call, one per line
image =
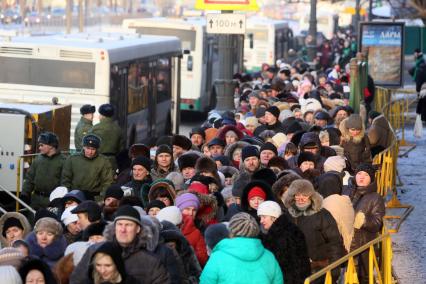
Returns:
point(241, 260)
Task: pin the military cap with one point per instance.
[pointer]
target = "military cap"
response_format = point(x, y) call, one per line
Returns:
point(91, 140)
point(86, 109)
point(106, 110)
point(48, 138)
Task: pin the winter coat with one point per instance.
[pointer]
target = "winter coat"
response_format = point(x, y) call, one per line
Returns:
point(111, 136)
point(241, 260)
point(380, 132)
point(157, 173)
point(245, 206)
point(140, 189)
point(208, 211)
point(319, 227)
point(50, 254)
point(276, 127)
point(44, 174)
point(22, 219)
point(195, 239)
point(81, 130)
point(93, 175)
point(357, 149)
point(287, 242)
point(368, 201)
point(139, 263)
point(162, 183)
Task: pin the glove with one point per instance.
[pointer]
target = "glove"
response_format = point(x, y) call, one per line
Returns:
point(359, 220)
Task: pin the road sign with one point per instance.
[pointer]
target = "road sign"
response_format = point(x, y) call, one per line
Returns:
point(227, 5)
point(226, 23)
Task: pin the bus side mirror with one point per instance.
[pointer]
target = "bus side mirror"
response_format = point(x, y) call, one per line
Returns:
point(250, 36)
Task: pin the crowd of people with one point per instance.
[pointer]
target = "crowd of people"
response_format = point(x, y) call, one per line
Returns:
point(270, 192)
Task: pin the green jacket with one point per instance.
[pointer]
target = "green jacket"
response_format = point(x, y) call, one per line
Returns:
point(110, 133)
point(44, 174)
point(83, 127)
point(94, 175)
point(241, 260)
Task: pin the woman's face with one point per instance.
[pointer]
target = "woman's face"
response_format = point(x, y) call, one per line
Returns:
point(230, 138)
point(153, 211)
point(255, 201)
point(236, 156)
point(250, 127)
point(362, 178)
point(34, 277)
point(267, 221)
point(44, 238)
point(165, 200)
point(105, 267)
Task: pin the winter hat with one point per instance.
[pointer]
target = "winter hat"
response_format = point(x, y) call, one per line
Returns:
point(304, 157)
point(256, 192)
point(269, 146)
point(285, 114)
point(224, 160)
point(106, 110)
point(48, 138)
point(243, 225)
point(67, 217)
point(269, 208)
point(10, 275)
point(78, 249)
point(11, 222)
point(198, 130)
point(177, 180)
point(216, 141)
point(249, 151)
point(182, 141)
point(368, 168)
point(187, 200)
point(94, 229)
point(239, 184)
point(76, 195)
point(301, 186)
point(322, 115)
point(137, 150)
point(91, 140)
point(373, 114)
point(214, 234)
point(93, 210)
point(335, 163)
point(171, 214)
point(275, 111)
point(260, 112)
point(58, 192)
point(11, 256)
point(49, 225)
point(354, 121)
point(164, 149)
point(279, 139)
point(265, 174)
point(226, 192)
point(187, 160)
point(252, 120)
point(142, 161)
point(155, 204)
point(210, 134)
point(42, 213)
point(228, 171)
point(205, 164)
point(198, 188)
point(114, 191)
point(86, 109)
point(278, 162)
point(127, 212)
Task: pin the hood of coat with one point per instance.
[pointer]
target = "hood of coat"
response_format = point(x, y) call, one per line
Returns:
point(244, 249)
point(329, 183)
point(52, 252)
point(380, 121)
point(171, 233)
point(22, 219)
point(283, 182)
point(309, 137)
point(345, 133)
point(229, 149)
point(255, 183)
point(289, 202)
point(152, 227)
point(162, 183)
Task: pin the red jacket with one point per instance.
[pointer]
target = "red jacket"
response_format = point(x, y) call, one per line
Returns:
point(195, 238)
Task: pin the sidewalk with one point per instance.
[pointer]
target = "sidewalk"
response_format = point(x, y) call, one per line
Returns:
point(409, 244)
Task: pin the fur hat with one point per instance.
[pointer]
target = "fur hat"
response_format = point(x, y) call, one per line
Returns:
point(239, 184)
point(243, 225)
point(284, 114)
point(171, 214)
point(252, 120)
point(142, 161)
point(49, 225)
point(214, 234)
point(198, 130)
point(106, 110)
point(249, 151)
point(205, 164)
point(161, 184)
point(86, 109)
point(187, 160)
point(354, 121)
point(11, 222)
point(279, 139)
point(226, 192)
point(182, 141)
point(177, 179)
point(278, 162)
point(305, 187)
point(163, 148)
point(154, 204)
point(305, 157)
point(269, 208)
point(267, 175)
point(335, 163)
point(114, 191)
point(48, 138)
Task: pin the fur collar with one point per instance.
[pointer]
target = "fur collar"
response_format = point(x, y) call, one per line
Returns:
point(24, 222)
point(52, 252)
point(345, 133)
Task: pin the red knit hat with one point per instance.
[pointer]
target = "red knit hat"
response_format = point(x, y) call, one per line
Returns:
point(256, 191)
point(199, 188)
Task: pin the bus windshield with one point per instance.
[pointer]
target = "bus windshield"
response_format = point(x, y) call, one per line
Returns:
point(50, 73)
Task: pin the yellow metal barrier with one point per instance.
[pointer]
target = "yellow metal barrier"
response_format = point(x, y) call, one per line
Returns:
point(380, 268)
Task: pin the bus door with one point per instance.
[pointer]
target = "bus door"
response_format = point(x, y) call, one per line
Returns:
point(152, 99)
point(118, 94)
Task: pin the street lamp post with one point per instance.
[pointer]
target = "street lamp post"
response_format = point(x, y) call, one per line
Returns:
point(312, 44)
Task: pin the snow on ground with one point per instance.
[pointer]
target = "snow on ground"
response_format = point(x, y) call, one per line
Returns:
point(409, 244)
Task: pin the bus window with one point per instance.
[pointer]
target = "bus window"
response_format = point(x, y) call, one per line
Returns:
point(163, 80)
point(190, 63)
point(250, 36)
point(137, 87)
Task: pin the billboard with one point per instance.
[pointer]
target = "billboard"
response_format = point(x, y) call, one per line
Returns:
point(383, 43)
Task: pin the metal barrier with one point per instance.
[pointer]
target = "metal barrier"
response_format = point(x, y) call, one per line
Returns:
point(380, 266)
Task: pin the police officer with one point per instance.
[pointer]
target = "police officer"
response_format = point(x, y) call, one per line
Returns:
point(88, 170)
point(44, 174)
point(110, 133)
point(84, 125)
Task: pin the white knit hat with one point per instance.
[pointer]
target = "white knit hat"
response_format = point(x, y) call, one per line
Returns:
point(58, 192)
point(334, 163)
point(171, 214)
point(67, 217)
point(269, 208)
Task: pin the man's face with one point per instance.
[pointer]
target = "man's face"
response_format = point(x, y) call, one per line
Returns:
point(251, 164)
point(270, 118)
point(309, 118)
point(126, 231)
point(321, 123)
point(89, 152)
point(341, 115)
point(177, 151)
point(139, 172)
point(164, 160)
point(197, 140)
point(265, 156)
point(83, 220)
point(73, 228)
point(44, 148)
point(14, 233)
point(253, 101)
point(111, 202)
point(188, 172)
point(307, 165)
point(216, 150)
point(313, 150)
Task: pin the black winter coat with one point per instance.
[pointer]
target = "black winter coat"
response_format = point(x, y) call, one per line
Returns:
point(287, 242)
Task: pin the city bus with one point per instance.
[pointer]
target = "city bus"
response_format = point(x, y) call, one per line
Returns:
point(200, 59)
point(266, 41)
point(139, 75)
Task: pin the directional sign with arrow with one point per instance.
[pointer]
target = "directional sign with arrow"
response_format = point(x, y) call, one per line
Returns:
point(226, 23)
